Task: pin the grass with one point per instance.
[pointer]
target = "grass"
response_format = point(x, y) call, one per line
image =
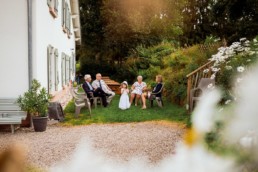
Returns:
point(112, 114)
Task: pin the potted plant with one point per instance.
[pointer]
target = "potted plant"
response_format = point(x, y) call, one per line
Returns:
point(35, 102)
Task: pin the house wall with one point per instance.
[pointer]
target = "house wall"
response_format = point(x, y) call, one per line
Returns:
point(46, 31)
point(13, 48)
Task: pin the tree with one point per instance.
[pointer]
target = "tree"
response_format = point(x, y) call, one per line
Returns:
point(235, 18)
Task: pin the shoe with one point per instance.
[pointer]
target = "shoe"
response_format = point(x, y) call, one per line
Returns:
point(144, 107)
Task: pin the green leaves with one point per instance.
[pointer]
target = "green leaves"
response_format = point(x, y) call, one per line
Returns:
point(35, 100)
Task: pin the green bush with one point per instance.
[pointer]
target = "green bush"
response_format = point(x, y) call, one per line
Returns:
point(178, 65)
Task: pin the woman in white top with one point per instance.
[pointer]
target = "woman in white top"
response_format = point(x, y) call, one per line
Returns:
point(137, 89)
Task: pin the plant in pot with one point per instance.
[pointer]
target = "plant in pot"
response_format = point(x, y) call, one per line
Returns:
point(35, 102)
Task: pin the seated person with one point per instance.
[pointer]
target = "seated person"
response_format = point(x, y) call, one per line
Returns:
point(99, 83)
point(156, 89)
point(96, 92)
point(137, 89)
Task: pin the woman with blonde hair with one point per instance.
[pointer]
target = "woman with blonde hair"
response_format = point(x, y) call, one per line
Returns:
point(156, 89)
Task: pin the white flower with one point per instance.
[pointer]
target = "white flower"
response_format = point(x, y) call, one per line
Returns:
point(249, 140)
point(248, 60)
point(239, 80)
point(221, 109)
point(245, 115)
point(210, 86)
point(255, 40)
point(240, 49)
point(227, 102)
point(242, 39)
point(206, 70)
point(195, 159)
point(213, 76)
point(251, 53)
point(247, 49)
point(215, 69)
point(228, 67)
point(240, 69)
point(204, 114)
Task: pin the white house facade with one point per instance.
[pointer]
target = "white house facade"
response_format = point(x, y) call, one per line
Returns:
point(38, 41)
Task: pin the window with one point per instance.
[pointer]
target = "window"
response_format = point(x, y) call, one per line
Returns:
point(66, 18)
point(53, 78)
point(63, 68)
point(56, 70)
point(72, 67)
point(53, 7)
point(67, 69)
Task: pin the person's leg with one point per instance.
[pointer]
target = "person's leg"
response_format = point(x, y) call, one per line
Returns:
point(109, 99)
point(100, 93)
point(132, 97)
point(137, 98)
point(144, 95)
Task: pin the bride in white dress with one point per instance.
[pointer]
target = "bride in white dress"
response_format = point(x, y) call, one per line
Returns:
point(124, 99)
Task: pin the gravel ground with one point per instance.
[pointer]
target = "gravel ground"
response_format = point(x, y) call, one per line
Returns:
point(154, 140)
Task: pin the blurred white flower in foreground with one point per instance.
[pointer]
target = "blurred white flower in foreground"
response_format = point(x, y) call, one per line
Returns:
point(204, 114)
point(240, 69)
point(246, 113)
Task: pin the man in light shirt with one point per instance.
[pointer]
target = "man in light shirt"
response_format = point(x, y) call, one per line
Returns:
point(99, 83)
point(90, 91)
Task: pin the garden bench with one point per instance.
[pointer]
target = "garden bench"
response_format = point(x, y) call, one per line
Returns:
point(10, 113)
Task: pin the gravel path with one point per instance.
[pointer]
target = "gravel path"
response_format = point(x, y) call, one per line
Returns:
point(154, 140)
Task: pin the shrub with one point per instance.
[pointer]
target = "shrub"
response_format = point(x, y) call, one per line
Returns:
point(178, 65)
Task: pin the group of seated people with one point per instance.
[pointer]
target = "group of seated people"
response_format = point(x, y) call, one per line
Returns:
point(140, 91)
point(98, 88)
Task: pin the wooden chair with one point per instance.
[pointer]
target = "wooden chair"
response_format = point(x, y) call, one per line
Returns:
point(80, 100)
point(202, 86)
point(158, 99)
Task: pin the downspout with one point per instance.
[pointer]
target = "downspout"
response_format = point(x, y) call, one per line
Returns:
point(29, 10)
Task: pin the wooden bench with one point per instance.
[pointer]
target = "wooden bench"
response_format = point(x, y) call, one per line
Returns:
point(10, 113)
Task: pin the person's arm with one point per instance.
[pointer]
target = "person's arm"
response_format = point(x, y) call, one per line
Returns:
point(122, 90)
point(133, 87)
point(107, 86)
point(86, 88)
point(144, 87)
point(94, 85)
point(157, 88)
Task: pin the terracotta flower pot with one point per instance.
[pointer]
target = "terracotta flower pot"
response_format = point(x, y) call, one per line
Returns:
point(40, 123)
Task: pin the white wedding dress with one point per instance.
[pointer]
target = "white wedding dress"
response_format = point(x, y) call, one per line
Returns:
point(124, 100)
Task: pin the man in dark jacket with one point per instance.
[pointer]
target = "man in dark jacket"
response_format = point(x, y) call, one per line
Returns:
point(89, 90)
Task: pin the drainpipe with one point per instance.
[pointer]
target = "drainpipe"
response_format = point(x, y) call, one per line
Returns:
point(29, 10)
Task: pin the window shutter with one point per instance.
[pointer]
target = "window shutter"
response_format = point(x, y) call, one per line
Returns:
point(67, 65)
point(69, 24)
point(56, 70)
point(56, 5)
point(63, 13)
point(49, 69)
point(49, 3)
point(63, 69)
point(67, 17)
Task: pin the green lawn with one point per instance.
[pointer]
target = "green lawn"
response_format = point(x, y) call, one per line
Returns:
point(112, 114)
